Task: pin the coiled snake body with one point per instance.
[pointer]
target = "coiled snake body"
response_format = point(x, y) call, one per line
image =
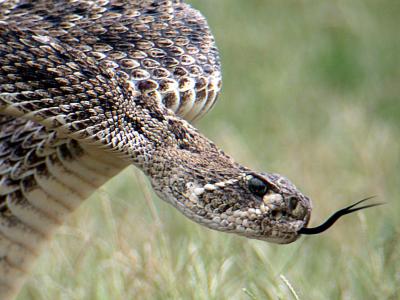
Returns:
point(90, 87)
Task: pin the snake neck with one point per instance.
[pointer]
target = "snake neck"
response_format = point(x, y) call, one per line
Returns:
point(193, 159)
point(186, 169)
point(160, 143)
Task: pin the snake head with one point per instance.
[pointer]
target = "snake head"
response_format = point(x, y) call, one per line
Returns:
point(255, 205)
point(274, 210)
point(281, 209)
point(225, 196)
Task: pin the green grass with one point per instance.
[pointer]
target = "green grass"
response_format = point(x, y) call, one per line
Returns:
point(311, 90)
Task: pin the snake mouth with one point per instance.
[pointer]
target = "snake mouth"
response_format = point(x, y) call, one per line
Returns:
point(338, 214)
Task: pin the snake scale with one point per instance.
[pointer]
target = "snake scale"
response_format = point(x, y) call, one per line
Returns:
point(88, 88)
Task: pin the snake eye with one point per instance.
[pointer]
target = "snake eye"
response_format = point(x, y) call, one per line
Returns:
point(257, 186)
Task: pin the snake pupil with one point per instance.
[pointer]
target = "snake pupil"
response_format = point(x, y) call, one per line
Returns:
point(257, 186)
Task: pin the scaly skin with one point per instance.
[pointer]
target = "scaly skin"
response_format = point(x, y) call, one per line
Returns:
point(88, 88)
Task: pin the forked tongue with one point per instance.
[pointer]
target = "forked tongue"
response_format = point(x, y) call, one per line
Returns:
point(340, 213)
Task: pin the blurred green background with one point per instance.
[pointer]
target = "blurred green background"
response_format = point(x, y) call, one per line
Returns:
point(311, 90)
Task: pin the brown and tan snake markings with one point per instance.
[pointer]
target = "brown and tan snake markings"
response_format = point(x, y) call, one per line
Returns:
point(88, 88)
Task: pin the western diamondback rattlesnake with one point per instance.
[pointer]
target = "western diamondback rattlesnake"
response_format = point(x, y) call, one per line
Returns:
point(90, 87)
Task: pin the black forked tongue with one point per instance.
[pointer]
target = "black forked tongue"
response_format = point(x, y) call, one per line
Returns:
point(340, 213)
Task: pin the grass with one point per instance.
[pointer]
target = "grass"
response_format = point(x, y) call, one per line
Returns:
point(311, 90)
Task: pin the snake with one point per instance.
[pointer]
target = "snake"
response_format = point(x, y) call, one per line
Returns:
point(88, 88)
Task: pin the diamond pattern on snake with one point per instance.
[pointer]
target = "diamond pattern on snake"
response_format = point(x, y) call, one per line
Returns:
point(88, 88)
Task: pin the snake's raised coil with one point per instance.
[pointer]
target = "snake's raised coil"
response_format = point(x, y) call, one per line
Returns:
point(90, 87)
